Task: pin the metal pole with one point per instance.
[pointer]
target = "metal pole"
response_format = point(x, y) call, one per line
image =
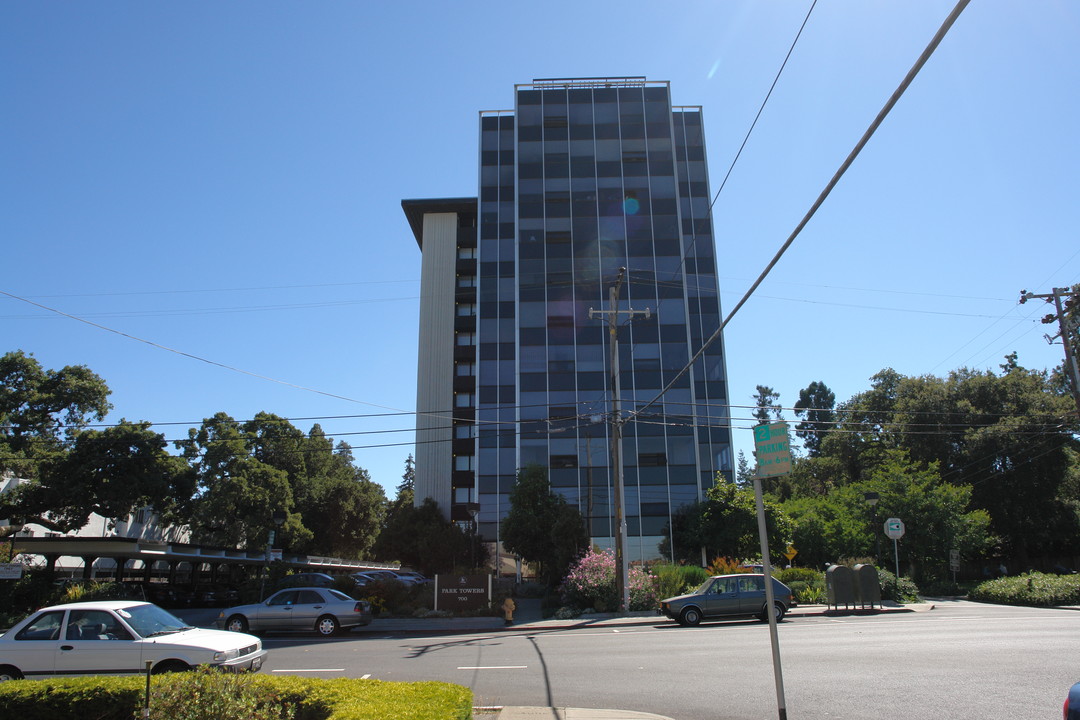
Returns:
point(896, 557)
point(622, 569)
point(770, 599)
point(146, 702)
point(1070, 359)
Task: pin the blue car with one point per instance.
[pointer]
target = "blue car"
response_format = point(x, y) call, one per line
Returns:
point(1071, 711)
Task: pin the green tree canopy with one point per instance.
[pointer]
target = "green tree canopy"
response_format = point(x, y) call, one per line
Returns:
point(111, 472)
point(41, 411)
point(937, 516)
point(816, 403)
point(422, 538)
point(541, 527)
point(725, 525)
point(766, 402)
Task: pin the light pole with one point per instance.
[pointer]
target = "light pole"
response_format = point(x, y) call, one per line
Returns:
point(872, 499)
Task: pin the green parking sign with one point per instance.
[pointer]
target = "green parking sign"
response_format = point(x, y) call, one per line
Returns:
point(772, 448)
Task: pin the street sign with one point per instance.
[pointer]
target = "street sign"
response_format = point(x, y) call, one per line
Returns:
point(11, 571)
point(954, 560)
point(772, 448)
point(790, 552)
point(894, 528)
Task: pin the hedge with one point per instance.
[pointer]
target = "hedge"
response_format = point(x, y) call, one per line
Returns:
point(122, 698)
point(1033, 589)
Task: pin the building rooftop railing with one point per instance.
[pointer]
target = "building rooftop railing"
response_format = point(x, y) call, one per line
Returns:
point(590, 82)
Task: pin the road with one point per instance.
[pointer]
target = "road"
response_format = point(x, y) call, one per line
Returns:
point(958, 660)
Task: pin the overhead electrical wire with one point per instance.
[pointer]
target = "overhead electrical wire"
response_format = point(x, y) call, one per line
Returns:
point(882, 114)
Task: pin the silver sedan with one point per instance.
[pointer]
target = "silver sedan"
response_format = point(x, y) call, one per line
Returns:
point(324, 610)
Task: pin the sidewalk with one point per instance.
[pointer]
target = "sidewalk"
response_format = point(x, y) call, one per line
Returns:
point(528, 618)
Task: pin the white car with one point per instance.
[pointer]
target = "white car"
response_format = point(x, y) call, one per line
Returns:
point(115, 637)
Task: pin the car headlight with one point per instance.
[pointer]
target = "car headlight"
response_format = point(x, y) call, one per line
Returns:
point(226, 656)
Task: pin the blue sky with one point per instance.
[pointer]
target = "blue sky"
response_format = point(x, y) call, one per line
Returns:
point(224, 179)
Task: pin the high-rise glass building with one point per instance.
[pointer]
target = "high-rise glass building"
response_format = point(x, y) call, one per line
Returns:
point(583, 178)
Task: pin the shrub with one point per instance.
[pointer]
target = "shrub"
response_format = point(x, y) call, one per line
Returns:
point(389, 597)
point(209, 694)
point(672, 580)
point(726, 566)
point(806, 575)
point(1034, 589)
point(904, 591)
point(591, 583)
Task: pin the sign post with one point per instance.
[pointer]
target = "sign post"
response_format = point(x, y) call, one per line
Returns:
point(772, 449)
point(894, 529)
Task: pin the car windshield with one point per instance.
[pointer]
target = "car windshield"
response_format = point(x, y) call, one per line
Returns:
point(704, 587)
point(151, 621)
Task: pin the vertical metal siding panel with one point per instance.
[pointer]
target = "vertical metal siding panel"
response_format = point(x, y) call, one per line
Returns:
point(435, 365)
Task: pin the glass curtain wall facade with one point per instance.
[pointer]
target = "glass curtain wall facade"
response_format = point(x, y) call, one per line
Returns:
point(585, 177)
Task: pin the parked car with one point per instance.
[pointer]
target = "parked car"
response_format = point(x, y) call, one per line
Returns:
point(410, 577)
point(379, 575)
point(308, 579)
point(324, 610)
point(742, 594)
point(118, 637)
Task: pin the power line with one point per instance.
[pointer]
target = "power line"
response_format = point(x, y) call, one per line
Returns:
point(882, 114)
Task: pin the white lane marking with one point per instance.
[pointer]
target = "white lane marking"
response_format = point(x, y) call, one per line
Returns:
point(365, 677)
point(493, 667)
point(302, 670)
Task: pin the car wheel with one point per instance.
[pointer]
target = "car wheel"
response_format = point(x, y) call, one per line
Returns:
point(170, 666)
point(237, 623)
point(7, 672)
point(690, 616)
point(778, 611)
point(327, 625)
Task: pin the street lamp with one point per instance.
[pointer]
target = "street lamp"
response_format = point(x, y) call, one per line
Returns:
point(872, 499)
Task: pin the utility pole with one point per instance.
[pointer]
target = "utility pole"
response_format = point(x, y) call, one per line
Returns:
point(1063, 332)
point(622, 569)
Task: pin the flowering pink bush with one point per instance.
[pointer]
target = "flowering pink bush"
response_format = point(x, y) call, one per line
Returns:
point(591, 584)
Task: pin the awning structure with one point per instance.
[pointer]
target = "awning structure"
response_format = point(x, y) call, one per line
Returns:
point(124, 549)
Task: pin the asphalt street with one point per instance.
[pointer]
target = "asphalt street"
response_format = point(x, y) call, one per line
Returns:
point(959, 659)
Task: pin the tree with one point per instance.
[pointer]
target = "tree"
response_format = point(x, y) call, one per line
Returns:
point(338, 502)
point(41, 411)
point(247, 471)
point(729, 525)
point(541, 527)
point(1007, 436)
point(422, 538)
point(236, 494)
point(72, 471)
point(744, 474)
point(766, 402)
point(937, 516)
point(111, 472)
point(816, 403)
